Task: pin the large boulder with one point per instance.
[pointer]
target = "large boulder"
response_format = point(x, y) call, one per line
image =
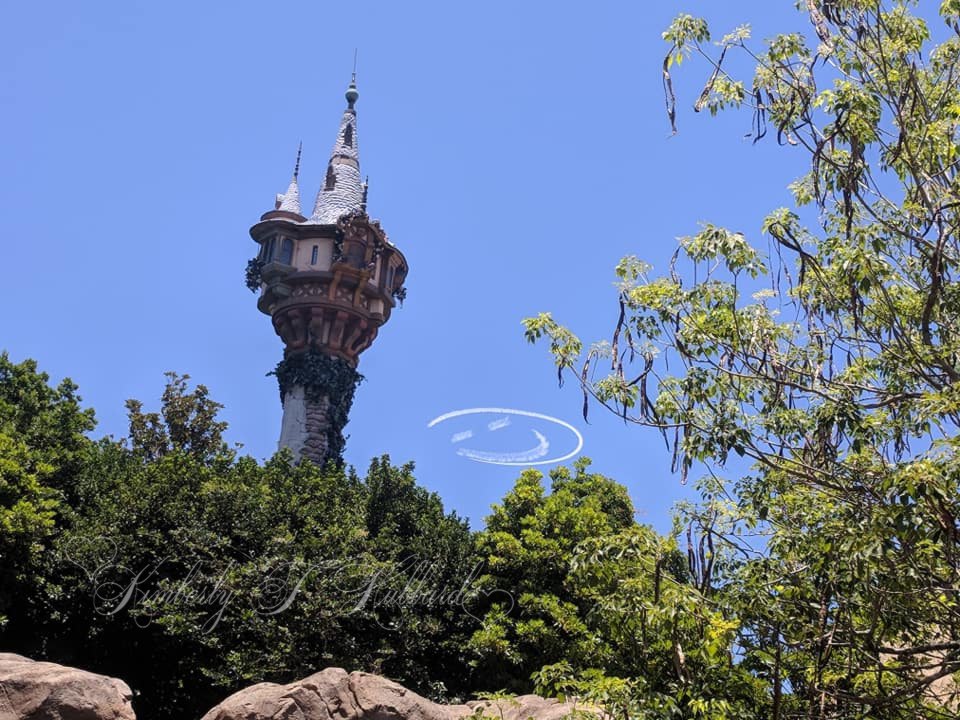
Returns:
point(31, 690)
point(334, 694)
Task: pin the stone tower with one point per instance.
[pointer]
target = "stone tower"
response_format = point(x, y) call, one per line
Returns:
point(328, 282)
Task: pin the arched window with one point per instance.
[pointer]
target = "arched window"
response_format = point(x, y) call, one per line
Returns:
point(348, 136)
point(331, 181)
point(286, 252)
point(314, 254)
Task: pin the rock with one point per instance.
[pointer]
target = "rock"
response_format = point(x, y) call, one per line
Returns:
point(334, 694)
point(31, 690)
point(524, 707)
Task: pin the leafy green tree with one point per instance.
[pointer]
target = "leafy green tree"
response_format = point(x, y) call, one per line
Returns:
point(586, 603)
point(42, 445)
point(665, 626)
point(421, 597)
point(533, 616)
point(27, 518)
point(832, 366)
point(187, 422)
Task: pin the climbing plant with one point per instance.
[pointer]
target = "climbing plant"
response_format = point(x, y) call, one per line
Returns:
point(323, 377)
point(252, 275)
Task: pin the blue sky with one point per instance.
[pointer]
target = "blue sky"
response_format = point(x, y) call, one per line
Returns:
point(515, 151)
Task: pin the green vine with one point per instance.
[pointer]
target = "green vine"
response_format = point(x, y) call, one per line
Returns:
point(338, 246)
point(322, 376)
point(254, 266)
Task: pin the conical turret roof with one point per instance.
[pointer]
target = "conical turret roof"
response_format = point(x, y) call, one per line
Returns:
point(290, 200)
point(342, 189)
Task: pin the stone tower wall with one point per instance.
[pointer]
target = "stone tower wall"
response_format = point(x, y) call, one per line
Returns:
point(316, 390)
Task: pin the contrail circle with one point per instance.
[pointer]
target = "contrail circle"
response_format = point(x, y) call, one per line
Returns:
point(508, 458)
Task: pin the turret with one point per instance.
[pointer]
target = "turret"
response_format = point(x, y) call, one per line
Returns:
point(328, 282)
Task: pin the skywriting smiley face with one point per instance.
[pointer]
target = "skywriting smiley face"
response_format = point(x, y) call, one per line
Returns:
point(511, 426)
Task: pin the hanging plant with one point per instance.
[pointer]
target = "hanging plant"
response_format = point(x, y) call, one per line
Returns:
point(253, 278)
point(338, 247)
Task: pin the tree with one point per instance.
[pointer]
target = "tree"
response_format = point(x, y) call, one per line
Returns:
point(533, 616)
point(42, 445)
point(28, 512)
point(421, 599)
point(186, 422)
point(583, 602)
point(663, 646)
point(837, 380)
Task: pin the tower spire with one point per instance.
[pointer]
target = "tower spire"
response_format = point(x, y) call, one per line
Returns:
point(290, 200)
point(342, 190)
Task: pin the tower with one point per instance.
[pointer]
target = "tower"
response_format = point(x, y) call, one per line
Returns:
point(328, 282)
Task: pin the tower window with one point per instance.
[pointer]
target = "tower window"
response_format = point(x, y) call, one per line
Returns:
point(314, 254)
point(355, 253)
point(348, 136)
point(286, 251)
point(266, 250)
point(331, 180)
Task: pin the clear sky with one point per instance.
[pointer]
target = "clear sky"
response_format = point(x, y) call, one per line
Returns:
point(515, 151)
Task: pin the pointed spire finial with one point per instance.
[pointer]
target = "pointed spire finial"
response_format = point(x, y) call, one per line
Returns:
point(290, 200)
point(352, 93)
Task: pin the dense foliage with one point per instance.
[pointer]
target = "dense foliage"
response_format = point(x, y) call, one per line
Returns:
point(188, 572)
point(166, 560)
point(535, 616)
point(831, 367)
point(252, 274)
point(42, 448)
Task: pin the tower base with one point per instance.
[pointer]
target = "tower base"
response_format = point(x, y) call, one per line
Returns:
point(306, 425)
point(316, 390)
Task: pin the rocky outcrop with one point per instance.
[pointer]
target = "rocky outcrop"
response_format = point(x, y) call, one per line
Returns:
point(31, 690)
point(334, 694)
